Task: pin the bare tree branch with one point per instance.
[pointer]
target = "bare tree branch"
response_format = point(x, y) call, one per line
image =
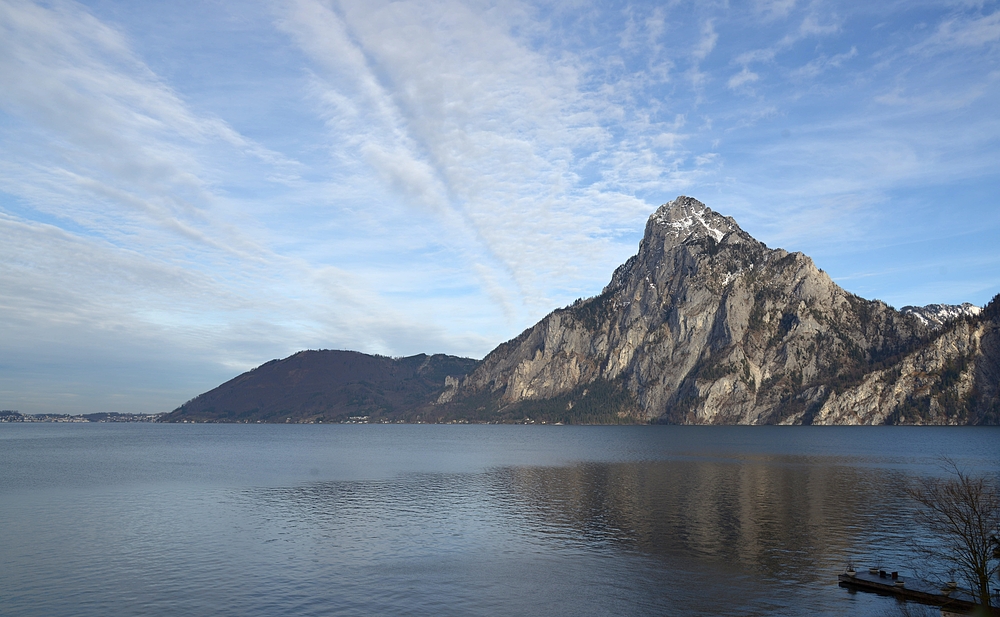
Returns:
point(962, 513)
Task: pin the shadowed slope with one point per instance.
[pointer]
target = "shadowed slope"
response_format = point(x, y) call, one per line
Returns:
point(326, 386)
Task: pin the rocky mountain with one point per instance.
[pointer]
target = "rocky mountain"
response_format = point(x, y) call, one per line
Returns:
point(327, 386)
point(706, 325)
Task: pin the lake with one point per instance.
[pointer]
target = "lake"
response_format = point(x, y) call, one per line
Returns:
point(265, 520)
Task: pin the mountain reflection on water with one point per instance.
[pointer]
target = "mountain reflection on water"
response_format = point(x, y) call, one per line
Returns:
point(748, 537)
point(437, 520)
point(790, 522)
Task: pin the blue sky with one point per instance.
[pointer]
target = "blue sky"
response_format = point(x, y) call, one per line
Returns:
point(189, 189)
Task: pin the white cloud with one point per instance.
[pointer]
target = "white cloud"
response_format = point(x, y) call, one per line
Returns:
point(436, 175)
point(812, 26)
point(935, 101)
point(819, 65)
point(773, 9)
point(120, 144)
point(707, 42)
point(473, 121)
point(153, 249)
point(756, 55)
point(964, 31)
point(741, 79)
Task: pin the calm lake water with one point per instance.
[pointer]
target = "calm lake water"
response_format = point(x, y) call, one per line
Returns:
point(265, 520)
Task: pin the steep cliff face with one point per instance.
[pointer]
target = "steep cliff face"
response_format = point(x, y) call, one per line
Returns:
point(953, 378)
point(707, 325)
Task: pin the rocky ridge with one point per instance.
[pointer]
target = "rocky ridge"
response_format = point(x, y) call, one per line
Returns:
point(937, 315)
point(706, 325)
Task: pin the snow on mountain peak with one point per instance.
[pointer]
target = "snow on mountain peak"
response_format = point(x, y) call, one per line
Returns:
point(936, 315)
point(685, 217)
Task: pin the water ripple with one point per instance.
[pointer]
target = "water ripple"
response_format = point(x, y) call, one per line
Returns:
point(256, 521)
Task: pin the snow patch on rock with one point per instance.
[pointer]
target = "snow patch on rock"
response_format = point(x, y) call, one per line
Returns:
point(937, 315)
point(685, 217)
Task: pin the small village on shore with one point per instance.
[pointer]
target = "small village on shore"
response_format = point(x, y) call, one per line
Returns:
point(10, 415)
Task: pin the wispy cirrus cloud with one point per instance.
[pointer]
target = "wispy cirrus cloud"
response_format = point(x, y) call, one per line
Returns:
point(93, 127)
point(773, 9)
point(744, 77)
point(965, 31)
point(823, 63)
point(468, 121)
point(215, 188)
point(119, 225)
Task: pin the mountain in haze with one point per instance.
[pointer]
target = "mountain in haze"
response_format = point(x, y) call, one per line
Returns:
point(706, 325)
point(326, 386)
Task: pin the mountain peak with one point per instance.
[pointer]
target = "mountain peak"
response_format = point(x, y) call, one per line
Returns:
point(937, 316)
point(705, 325)
point(687, 218)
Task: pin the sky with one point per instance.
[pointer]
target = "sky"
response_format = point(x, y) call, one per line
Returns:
point(189, 189)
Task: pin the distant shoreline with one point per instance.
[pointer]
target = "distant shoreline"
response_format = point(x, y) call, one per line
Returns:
point(11, 416)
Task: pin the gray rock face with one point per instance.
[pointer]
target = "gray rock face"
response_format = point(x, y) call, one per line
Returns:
point(706, 325)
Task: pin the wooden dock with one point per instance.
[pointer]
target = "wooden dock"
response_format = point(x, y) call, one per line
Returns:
point(956, 601)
